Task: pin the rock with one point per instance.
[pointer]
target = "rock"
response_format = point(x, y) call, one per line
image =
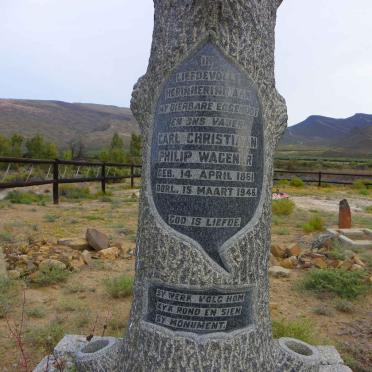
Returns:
point(34, 276)
point(293, 250)
point(346, 265)
point(111, 253)
point(344, 215)
point(77, 263)
point(323, 239)
point(356, 267)
point(319, 262)
point(279, 272)
point(97, 240)
point(289, 263)
point(74, 243)
point(273, 260)
point(277, 250)
point(358, 261)
point(14, 274)
point(86, 256)
point(51, 264)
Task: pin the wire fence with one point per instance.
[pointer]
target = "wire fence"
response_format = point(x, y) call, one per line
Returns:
point(21, 172)
point(15, 172)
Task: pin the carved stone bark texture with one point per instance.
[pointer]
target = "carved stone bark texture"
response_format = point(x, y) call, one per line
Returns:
point(244, 30)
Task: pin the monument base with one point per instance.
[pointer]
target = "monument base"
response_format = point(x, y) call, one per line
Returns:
point(102, 354)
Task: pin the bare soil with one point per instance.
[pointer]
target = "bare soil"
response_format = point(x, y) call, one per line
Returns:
point(82, 305)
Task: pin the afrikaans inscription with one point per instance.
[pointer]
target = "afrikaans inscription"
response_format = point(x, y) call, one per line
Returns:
point(199, 311)
point(207, 150)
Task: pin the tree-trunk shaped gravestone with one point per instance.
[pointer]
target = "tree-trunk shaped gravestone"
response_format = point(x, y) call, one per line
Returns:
point(211, 118)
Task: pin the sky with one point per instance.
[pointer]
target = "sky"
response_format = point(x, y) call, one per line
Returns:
point(95, 50)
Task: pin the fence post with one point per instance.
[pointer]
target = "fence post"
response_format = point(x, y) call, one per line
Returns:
point(132, 176)
point(319, 179)
point(103, 178)
point(55, 181)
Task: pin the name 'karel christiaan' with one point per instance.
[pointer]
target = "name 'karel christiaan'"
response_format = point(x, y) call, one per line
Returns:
point(206, 139)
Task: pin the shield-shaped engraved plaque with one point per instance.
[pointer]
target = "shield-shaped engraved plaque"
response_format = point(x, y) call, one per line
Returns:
point(207, 149)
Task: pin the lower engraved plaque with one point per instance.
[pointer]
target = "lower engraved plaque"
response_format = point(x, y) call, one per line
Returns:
point(199, 311)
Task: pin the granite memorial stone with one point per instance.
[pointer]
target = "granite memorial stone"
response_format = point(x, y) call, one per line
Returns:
point(211, 118)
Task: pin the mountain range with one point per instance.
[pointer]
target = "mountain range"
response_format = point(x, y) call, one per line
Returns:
point(338, 137)
point(65, 123)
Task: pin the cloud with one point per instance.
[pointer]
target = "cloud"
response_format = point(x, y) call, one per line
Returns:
point(94, 51)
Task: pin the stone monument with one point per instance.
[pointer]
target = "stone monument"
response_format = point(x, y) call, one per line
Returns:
point(211, 118)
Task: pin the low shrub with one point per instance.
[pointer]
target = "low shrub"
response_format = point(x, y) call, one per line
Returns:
point(105, 199)
point(75, 192)
point(50, 218)
point(302, 329)
point(36, 312)
point(119, 287)
point(282, 183)
point(315, 223)
point(68, 304)
point(283, 207)
point(344, 306)
point(48, 277)
point(358, 185)
point(297, 182)
point(6, 237)
point(8, 289)
point(282, 231)
point(26, 197)
point(345, 284)
point(322, 310)
point(45, 337)
point(337, 252)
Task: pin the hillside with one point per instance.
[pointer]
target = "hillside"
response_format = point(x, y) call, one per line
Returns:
point(65, 123)
point(338, 137)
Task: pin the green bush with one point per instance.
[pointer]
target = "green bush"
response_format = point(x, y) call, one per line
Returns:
point(48, 277)
point(344, 306)
point(282, 231)
point(282, 183)
point(337, 252)
point(359, 185)
point(345, 284)
point(36, 312)
point(315, 223)
point(28, 197)
point(75, 192)
point(8, 289)
point(6, 237)
point(297, 182)
point(283, 207)
point(301, 329)
point(45, 337)
point(50, 218)
point(119, 287)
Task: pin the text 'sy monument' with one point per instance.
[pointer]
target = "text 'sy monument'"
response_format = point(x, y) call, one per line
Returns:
point(211, 118)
